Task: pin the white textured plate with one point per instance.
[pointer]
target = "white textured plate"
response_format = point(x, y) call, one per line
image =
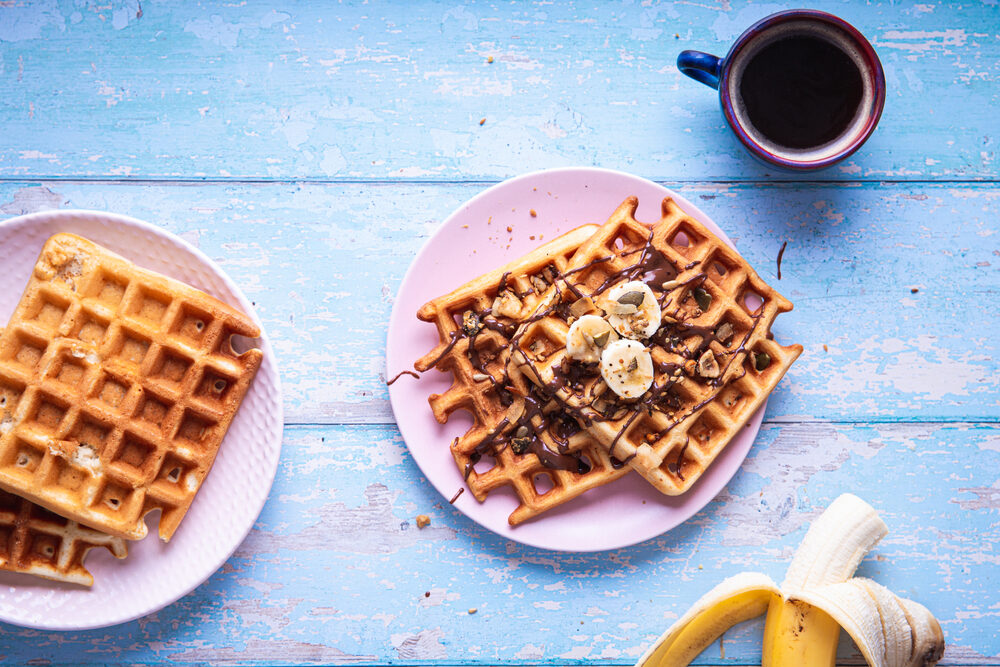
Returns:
point(154, 574)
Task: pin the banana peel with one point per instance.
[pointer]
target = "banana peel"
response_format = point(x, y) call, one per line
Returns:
point(819, 597)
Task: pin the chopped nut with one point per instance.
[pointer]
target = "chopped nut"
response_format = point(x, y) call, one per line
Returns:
point(632, 366)
point(473, 610)
point(480, 377)
point(825, 348)
point(482, 121)
point(521, 440)
point(515, 411)
point(539, 284)
point(423, 520)
point(490, 60)
point(581, 307)
point(534, 213)
point(601, 339)
point(689, 366)
point(708, 367)
point(724, 333)
point(471, 324)
point(669, 285)
point(507, 304)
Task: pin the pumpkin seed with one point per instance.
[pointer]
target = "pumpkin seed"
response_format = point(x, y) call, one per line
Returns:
point(761, 361)
point(633, 298)
point(702, 297)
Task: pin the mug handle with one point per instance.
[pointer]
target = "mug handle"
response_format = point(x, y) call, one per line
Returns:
point(703, 67)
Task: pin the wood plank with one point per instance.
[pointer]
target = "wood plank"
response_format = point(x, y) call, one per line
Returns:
point(353, 91)
point(336, 571)
point(323, 263)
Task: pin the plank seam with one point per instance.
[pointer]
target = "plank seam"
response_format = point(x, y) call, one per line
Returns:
point(212, 180)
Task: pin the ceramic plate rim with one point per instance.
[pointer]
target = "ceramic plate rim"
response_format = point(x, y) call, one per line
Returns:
point(712, 483)
point(272, 439)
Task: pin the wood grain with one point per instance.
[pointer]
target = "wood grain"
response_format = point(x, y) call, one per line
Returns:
point(397, 90)
point(336, 570)
point(323, 262)
point(311, 149)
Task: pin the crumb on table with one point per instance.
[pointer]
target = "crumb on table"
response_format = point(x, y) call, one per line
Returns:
point(423, 520)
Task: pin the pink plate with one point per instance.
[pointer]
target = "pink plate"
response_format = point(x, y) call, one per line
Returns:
point(154, 574)
point(473, 240)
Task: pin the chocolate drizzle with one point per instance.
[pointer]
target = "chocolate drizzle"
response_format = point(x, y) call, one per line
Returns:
point(401, 374)
point(572, 384)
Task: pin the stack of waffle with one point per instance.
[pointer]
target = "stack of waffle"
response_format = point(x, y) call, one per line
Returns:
point(546, 420)
point(117, 386)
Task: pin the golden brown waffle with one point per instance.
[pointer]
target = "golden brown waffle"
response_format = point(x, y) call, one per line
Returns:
point(117, 387)
point(672, 434)
point(35, 541)
point(498, 398)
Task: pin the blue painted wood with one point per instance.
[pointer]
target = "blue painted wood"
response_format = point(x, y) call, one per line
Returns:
point(323, 262)
point(336, 564)
point(396, 90)
point(336, 570)
point(337, 137)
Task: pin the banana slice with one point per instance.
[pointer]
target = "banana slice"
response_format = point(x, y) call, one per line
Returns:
point(632, 309)
point(627, 368)
point(587, 338)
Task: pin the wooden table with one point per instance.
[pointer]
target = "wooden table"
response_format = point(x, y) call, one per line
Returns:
point(311, 149)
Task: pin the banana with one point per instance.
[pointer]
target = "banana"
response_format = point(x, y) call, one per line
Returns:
point(587, 338)
point(834, 545)
point(817, 598)
point(797, 633)
point(928, 639)
point(632, 309)
point(627, 367)
point(733, 601)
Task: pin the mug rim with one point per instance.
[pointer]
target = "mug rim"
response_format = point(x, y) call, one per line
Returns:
point(867, 51)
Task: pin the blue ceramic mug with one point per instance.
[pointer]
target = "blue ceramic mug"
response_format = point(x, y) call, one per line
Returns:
point(801, 89)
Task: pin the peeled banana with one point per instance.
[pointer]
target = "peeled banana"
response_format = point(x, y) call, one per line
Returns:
point(817, 598)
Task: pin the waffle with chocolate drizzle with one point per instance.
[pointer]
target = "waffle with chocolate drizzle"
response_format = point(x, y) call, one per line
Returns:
point(522, 433)
point(714, 360)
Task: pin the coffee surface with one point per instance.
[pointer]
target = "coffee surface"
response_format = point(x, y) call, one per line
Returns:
point(801, 91)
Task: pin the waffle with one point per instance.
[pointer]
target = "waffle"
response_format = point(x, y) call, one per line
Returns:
point(35, 541)
point(117, 387)
point(677, 428)
point(499, 399)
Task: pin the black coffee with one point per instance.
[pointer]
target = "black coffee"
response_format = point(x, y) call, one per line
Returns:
point(801, 91)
